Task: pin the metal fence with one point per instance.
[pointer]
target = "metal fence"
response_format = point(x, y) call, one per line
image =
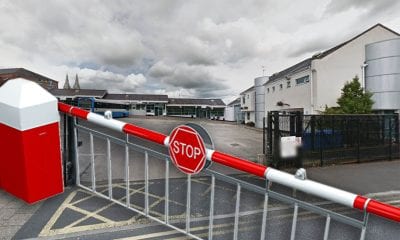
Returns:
point(332, 139)
point(211, 205)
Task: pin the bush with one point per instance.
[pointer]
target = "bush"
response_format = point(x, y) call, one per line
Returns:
point(353, 100)
point(250, 124)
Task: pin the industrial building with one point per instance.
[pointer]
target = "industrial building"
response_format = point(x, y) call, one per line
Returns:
point(316, 82)
point(248, 104)
point(252, 102)
point(196, 108)
point(147, 104)
point(12, 73)
point(140, 104)
point(134, 104)
point(233, 112)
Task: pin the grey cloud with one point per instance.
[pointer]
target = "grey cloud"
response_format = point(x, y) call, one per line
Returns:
point(204, 48)
point(372, 6)
point(160, 70)
point(63, 31)
point(309, 47)
point(193, 51)
point(190, 78)
point(97, 79)
point(195, 79)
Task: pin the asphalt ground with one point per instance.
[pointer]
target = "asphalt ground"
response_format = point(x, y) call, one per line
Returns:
point(79, 214)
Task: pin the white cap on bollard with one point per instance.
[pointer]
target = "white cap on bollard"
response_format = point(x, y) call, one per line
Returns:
point(25, 105)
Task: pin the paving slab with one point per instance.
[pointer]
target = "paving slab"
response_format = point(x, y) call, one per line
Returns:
point(14, 213)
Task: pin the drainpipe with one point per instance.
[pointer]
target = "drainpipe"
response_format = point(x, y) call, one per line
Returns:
point(363, 76)
point(311, 91)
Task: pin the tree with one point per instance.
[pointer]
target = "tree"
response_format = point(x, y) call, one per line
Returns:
point(353, 100)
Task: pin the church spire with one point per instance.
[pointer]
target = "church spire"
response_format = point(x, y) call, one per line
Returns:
point(76, 84)
point(66, 83)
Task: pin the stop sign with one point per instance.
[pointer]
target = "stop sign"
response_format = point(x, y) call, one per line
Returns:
point(187, 150)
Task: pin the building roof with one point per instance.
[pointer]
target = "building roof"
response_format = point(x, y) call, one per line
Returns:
point(196, 101)
point(137, 97)
point(11, 73)
point(307, 62)
point(290, 70)
point(331, 50)
point(234, 102)
point(78, 93)
point(248, 90)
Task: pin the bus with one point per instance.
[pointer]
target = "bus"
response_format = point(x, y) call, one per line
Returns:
point(119, 110)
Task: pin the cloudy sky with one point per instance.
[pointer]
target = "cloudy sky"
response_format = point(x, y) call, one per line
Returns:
point(178, 47)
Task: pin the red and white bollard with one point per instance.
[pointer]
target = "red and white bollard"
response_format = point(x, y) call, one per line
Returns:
point(30, 156)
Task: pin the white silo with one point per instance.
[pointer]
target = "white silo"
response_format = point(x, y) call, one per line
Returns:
point(382, 75)
point(260, 100)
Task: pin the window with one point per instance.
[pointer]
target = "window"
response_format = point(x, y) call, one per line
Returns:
point(280, 86)
point(248, 116)
point(248, 95)
point(303, 80)
point(273, 89)
point(244, 100)
point(288, 84)
point(267, 90)
point(150, 108)
point(140, 107)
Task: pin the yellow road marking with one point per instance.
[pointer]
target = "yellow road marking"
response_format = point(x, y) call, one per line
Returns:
point(47, 231)
point(171, 232)
point(56, 215)
point(88, 215)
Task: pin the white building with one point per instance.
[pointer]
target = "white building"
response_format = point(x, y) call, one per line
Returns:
point(248, 104)
point(252, 102)
point(316, 82)
point(233, 113)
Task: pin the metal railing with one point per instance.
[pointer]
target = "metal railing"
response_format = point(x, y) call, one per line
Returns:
point(187, 221)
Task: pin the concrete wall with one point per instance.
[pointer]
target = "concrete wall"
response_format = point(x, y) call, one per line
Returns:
point(137, 112)
point(229, 114)
point(233, 114)
point(335, 69)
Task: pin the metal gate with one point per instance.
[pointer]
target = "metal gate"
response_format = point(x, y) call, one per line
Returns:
point(115, 163)
point(332, 139)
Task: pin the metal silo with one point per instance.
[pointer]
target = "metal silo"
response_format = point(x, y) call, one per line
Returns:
point(260, 100)
point(382, 73)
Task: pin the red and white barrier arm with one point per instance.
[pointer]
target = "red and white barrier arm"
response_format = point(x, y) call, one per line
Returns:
point(308, 186)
